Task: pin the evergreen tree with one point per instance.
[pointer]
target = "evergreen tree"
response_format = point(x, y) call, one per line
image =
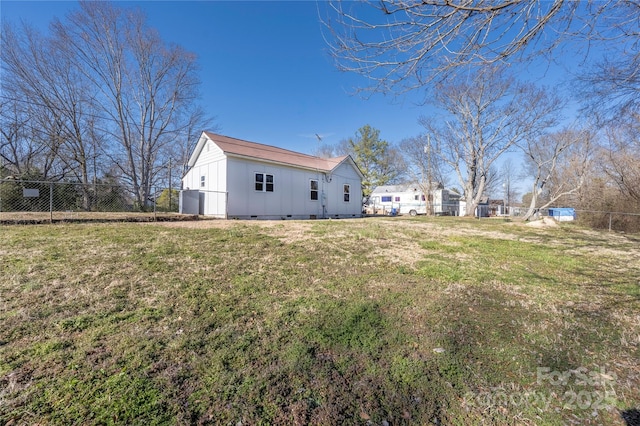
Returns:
point(379, 163)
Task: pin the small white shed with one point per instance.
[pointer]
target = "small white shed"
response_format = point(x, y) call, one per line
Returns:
point(238, 179)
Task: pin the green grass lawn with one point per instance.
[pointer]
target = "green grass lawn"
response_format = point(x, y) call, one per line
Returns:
point(397, 320)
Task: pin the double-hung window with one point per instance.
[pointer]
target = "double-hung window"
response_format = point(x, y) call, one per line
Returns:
point(345, 192)
point(264, 182)
point(313, 188)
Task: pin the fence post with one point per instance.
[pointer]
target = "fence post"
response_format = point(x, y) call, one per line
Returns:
point(609, 221)
point(170, 189)
point(51, 202)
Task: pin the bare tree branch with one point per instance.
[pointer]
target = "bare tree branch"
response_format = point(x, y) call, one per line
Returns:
point(403, 44)
point(620, 158)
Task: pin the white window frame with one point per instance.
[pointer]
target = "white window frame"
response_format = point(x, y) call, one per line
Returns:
point(264, 183)
point(346, 193)
point(267, 183)
point(203, 180)
point(312, 190)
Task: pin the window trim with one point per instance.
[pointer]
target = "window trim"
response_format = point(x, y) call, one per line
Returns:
point(258, 184)
point(203, 181)
point(312, 190)
point(346, 193)
point(266, 182)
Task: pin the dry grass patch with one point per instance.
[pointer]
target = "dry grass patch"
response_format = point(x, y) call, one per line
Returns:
point(398, 320)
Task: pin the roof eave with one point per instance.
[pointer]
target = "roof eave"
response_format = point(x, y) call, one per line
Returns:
point(198, 149)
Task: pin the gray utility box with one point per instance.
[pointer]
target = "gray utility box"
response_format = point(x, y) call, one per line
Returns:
point(190, 201)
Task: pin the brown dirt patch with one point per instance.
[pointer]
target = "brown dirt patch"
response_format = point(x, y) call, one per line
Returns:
point(545, 222)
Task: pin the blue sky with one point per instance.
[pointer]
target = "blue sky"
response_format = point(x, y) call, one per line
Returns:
point(265, 70)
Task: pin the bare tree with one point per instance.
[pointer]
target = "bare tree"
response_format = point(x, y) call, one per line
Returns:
point(145, 87)
point(559, 164)
point(403, 44)
point(197, 120)
point(16, 153)
point(423, 166)
point(485, 116)
point(57, 100)
point(620, 158)
point(613, 178)
point(325, 150)
point(493, 181)
point(509, 175)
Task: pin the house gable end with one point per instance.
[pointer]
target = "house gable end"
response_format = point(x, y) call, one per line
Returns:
point(348, 160)
point(204, 146)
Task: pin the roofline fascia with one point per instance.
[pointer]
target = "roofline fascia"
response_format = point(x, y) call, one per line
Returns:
point(198, 149)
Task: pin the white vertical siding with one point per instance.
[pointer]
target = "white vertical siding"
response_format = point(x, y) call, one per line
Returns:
point(291, 197)
point(212, 164)
point(336, 206)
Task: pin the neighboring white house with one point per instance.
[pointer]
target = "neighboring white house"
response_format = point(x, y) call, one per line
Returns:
point(233, 178)
point(409, 199)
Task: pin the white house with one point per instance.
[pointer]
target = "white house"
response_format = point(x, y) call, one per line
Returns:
point(409, 199)
point(233, 178)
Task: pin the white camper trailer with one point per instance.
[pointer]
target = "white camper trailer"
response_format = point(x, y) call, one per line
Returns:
point(410, 199)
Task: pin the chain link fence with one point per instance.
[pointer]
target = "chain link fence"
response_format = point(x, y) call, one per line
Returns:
point(613, 221)
point(597, 219)
point(28, 200)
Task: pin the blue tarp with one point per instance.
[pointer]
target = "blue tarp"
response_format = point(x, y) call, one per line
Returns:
point(556, 212)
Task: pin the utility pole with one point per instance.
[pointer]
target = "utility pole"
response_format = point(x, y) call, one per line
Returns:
point(170, 189)
point(429, 195)
point(1, 169)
